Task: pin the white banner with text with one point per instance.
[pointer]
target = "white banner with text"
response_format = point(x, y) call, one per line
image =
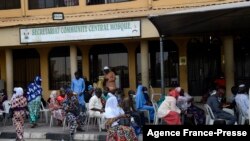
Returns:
point(123, 29)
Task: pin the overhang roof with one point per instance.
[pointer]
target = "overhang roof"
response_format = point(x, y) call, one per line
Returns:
point(221, 19)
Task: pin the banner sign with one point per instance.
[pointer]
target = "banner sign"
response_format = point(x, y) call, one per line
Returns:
point(81, 32)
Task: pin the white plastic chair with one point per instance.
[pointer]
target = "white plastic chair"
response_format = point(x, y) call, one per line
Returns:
point(6, 108)
point(242, 117)
point(45, 111)
point(210, 118)
point(156, 118)
point(93, 119)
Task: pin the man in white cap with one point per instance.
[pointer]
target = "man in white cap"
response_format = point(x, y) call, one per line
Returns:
point(109, 78)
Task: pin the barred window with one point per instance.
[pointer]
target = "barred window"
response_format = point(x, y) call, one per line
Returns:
point(59, 67)
point(171, 64)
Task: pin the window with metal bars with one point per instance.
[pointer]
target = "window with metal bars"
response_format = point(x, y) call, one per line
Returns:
point(9, 4)
point(42, 4)
point(94, 2)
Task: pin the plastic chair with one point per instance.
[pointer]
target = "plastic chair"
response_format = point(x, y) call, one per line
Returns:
point(92, 119)
point(6, 108)
point(96, 121)
point(156, 118)
point(210, 118)
point(242, 117)
point(45, 111)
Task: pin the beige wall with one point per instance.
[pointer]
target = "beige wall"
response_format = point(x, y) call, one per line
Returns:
point(44, 52)
point(182, 46)
point(9, 36)
point(133, 4)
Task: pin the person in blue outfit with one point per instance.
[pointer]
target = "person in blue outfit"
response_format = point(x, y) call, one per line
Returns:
point(34, 94)
point(78, 87)
point(141, 103)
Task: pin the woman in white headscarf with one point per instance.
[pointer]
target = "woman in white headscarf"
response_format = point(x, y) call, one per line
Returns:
point(56, 109)
point(18, 104)
point(115, 131)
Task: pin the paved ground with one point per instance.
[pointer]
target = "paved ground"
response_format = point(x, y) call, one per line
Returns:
point(46, 133)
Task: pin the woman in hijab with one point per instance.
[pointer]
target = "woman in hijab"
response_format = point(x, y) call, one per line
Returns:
point(34, 94)
point(141, 103)
point(55, 108)
point(117, 132)
point(168, 109)
point(74, 117)
point(18, 104)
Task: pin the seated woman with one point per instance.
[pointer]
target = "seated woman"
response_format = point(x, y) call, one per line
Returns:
point(61, 96)
point(141, 103)
point(146, 96)
point(168, 110)
point(196, 112)
point(114, 113)
point(56, 109)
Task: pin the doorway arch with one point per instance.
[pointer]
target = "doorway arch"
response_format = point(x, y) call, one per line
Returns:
point(204, 64)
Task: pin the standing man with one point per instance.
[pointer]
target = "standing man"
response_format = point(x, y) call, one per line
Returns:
point(109, 78)
point(34, 95)
point(78, 87)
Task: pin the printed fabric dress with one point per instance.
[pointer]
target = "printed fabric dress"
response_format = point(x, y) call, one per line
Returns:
point(18, 104)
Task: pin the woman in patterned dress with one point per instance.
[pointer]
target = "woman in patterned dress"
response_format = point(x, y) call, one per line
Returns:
point(117, 132)
point(18, 104)
point(74, 117)
point(34, 94)
point(56, 109)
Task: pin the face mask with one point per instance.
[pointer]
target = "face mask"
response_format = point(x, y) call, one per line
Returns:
point(145, 92)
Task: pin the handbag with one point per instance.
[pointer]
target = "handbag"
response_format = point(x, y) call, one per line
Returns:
point(125, 121)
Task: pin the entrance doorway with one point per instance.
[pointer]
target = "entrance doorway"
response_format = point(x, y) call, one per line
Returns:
point(26, 66)
point(204, 64)
point(242, 60)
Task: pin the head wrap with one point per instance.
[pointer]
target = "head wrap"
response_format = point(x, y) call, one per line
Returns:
point(18, 91)
point(140, 99)
point(53, 94)
point(112, 109)
point(178, 89)
point(173, 93)
point(213, 92)
point(68, 91)
point(106, 68)
point(90, 88)
point(38, 80)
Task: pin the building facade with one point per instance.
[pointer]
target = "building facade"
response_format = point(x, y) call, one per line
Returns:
point(87, 35)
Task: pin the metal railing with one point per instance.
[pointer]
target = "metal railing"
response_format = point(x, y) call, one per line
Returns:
point(10, 4)
point(41, 4)
point(94, 2)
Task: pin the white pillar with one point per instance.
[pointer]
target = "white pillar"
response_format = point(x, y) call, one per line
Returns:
point(144, 64)
point(73, 61)
point(229, 64)
point(9, 72)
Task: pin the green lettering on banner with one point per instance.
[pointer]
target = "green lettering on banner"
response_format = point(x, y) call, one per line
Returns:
point(120, 26)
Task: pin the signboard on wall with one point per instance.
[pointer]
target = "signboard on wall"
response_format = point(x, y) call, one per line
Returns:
point(80, 32)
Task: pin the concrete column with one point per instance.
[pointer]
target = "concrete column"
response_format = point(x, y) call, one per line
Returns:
point(85, 61)
point(9, 72)
point(144, 64)
point(132, 64)
point(73, 61)
point(44, 63)
point(229, 63)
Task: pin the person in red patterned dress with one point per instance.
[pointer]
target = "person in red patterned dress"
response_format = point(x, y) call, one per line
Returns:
point(18, 104)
